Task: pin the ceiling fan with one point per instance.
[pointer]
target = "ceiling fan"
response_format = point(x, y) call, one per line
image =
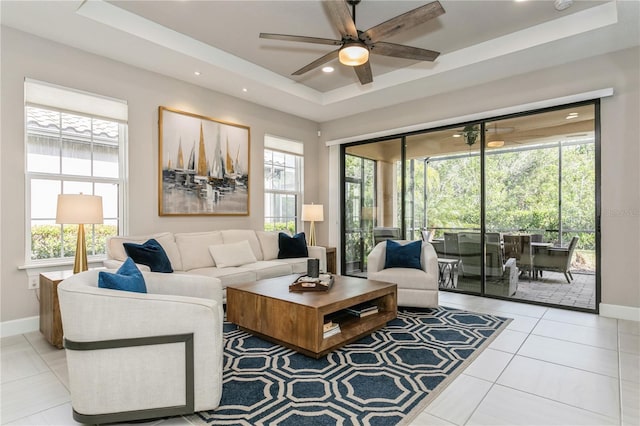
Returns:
point(356, 45)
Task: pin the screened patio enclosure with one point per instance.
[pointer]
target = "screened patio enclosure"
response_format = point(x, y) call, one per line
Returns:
point(516, 193)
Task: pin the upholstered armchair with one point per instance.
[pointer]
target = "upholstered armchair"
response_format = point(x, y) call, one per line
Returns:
point(556, 259)
point(134, 356)
point(416, 287)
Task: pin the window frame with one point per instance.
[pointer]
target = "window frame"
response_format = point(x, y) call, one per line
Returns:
point(121, 182)
point(298, 194)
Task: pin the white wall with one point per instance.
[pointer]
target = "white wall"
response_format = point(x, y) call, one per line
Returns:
point(26, 56)
point(620, 117)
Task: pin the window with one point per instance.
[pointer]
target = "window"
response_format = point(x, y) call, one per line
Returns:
point(70, 151)
point(283, 172)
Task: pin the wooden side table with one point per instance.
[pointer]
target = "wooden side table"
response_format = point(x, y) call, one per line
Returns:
point(50, 320)
point(331, 260)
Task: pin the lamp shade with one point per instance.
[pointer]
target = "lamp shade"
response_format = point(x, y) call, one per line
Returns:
point(79, 209)
point(312, 213)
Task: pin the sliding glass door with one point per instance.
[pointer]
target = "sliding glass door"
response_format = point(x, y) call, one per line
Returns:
point(370, 200)
point(443, 200)
point(508, 203)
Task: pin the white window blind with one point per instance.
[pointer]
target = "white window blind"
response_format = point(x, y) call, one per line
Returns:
point(63, 98)
point(283, 145)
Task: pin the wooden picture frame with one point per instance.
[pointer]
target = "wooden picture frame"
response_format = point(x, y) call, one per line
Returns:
point(203, 165)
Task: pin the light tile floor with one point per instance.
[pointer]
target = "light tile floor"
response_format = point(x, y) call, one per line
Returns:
point(550, 367)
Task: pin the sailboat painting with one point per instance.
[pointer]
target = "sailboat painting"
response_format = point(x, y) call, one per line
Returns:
point(204, 165)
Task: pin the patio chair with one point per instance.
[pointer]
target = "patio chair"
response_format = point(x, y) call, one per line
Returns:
point(385, 233)
point(500, 279)
point(556, 259)
point(492, 237)
point(512, 247)
point(438, 245)
point(526, 255)
point(451, 250)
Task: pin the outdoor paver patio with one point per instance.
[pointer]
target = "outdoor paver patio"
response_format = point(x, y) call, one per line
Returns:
point(551, 288)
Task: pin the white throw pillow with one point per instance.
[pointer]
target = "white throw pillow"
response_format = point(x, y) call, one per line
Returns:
point(233, 254)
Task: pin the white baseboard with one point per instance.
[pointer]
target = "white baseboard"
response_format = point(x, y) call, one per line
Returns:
point(620, 312)
point(19, 326)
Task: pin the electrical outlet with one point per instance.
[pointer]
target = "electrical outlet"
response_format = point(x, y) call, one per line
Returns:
point(34, 282)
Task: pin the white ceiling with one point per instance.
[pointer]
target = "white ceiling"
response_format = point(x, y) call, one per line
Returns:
point(480, 41)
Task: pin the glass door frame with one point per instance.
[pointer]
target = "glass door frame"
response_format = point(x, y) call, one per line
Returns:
point(361, 182)
point(482, 122)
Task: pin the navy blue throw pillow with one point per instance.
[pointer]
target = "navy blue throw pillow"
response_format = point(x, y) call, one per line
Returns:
point(290, 247)
point(127, 278)
point(149, 253)
point(403, 256)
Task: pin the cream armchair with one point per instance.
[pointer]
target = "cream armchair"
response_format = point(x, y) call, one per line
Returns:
point(135, 356)
point(416, 287)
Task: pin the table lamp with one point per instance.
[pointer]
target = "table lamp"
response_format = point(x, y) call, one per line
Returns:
point(79, 209)
point(312, 213)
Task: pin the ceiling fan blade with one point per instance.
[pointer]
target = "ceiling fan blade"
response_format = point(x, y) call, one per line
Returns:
point(322, 60)
point(302, 39)
point(341, 18)
point(403, 22)
point(364, 73)
point(402, 51)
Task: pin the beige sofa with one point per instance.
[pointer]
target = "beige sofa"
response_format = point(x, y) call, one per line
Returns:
point(190, 253)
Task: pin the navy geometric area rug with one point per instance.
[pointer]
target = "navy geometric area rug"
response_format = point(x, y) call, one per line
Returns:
point(386, 378)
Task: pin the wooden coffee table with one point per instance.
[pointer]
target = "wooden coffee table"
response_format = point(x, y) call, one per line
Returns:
point(295, 320)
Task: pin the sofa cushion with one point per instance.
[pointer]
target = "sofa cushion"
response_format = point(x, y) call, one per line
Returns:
point(227, 276)
point(115, 248)
point(403, 255)
point(237, 235)
point(289, 247)
point(127, 278)
point(232, 254)
point(298, 264)
point(269, 269)
point(405, 278)
point(194, 248)
point(268, 244)
point(149, 253)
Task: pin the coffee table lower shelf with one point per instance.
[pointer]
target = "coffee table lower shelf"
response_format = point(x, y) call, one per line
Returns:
point(295, 320)
point(330, 343)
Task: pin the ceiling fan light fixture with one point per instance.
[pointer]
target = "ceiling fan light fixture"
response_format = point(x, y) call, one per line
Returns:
point(353, 54)
point(495, 144)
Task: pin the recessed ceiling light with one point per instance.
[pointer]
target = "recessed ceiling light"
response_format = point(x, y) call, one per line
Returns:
point(457, 135)
point(196, 72)
point(572, 115)
point(244, 89)
point(562, 4)
point(327, 69)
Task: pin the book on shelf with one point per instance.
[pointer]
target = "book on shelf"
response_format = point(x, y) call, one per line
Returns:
point(330, 326)
point(363, 314)
point(363, 309)
point(330, 329)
